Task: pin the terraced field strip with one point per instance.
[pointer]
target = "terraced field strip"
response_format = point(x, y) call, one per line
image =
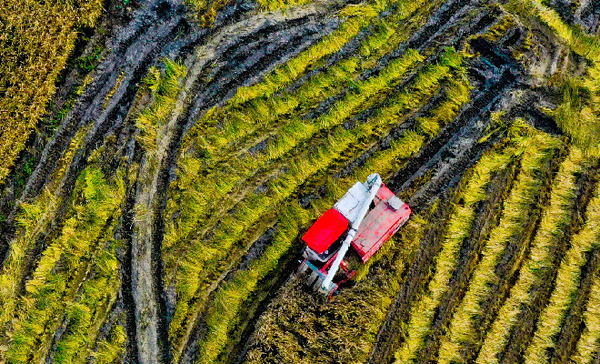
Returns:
point(458, 229)
point(567, 283)
point(588, 345)
point(338, 141)
point(77, 275)
point(552, 230)
point(538, 150)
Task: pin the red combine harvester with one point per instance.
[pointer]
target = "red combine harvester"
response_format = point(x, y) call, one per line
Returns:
point(365, 217)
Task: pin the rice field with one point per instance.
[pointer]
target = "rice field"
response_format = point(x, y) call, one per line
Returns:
point(159, 220)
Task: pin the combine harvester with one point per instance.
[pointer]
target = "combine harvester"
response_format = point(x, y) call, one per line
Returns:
point(365, 217)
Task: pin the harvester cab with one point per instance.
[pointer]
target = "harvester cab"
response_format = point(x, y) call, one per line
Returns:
point(364, 218)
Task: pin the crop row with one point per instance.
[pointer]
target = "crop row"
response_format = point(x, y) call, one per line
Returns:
point(589, 342)
point(224, 313)
point(581, 43)
point(457, 230)
point(219, 323)
point(299, 167)
point(270, 113)
point(342, 329)
point(243, 125)
point(567, 282)
point(33, 55)
point(77, 274)
point(192, 166)
point(537, 151)
point(578, 114)
point(32, 221)
point(551, 231)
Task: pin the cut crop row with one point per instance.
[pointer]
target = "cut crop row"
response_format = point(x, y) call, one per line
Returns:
point(578, 113)
point(581, 43)
point(567, 282)
point(319, 158)
point(298, 327)
point(33, 220)
point(551, 231)
point(242, 168)
point(538, 150)
point(589, 342)
point(458, 229)
point(222, 182)
point(65, 279)
point(243, 126)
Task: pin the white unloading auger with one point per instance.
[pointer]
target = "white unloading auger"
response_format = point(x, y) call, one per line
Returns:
point(373, 183)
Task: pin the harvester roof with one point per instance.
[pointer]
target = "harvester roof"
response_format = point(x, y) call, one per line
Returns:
point(325, 231)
